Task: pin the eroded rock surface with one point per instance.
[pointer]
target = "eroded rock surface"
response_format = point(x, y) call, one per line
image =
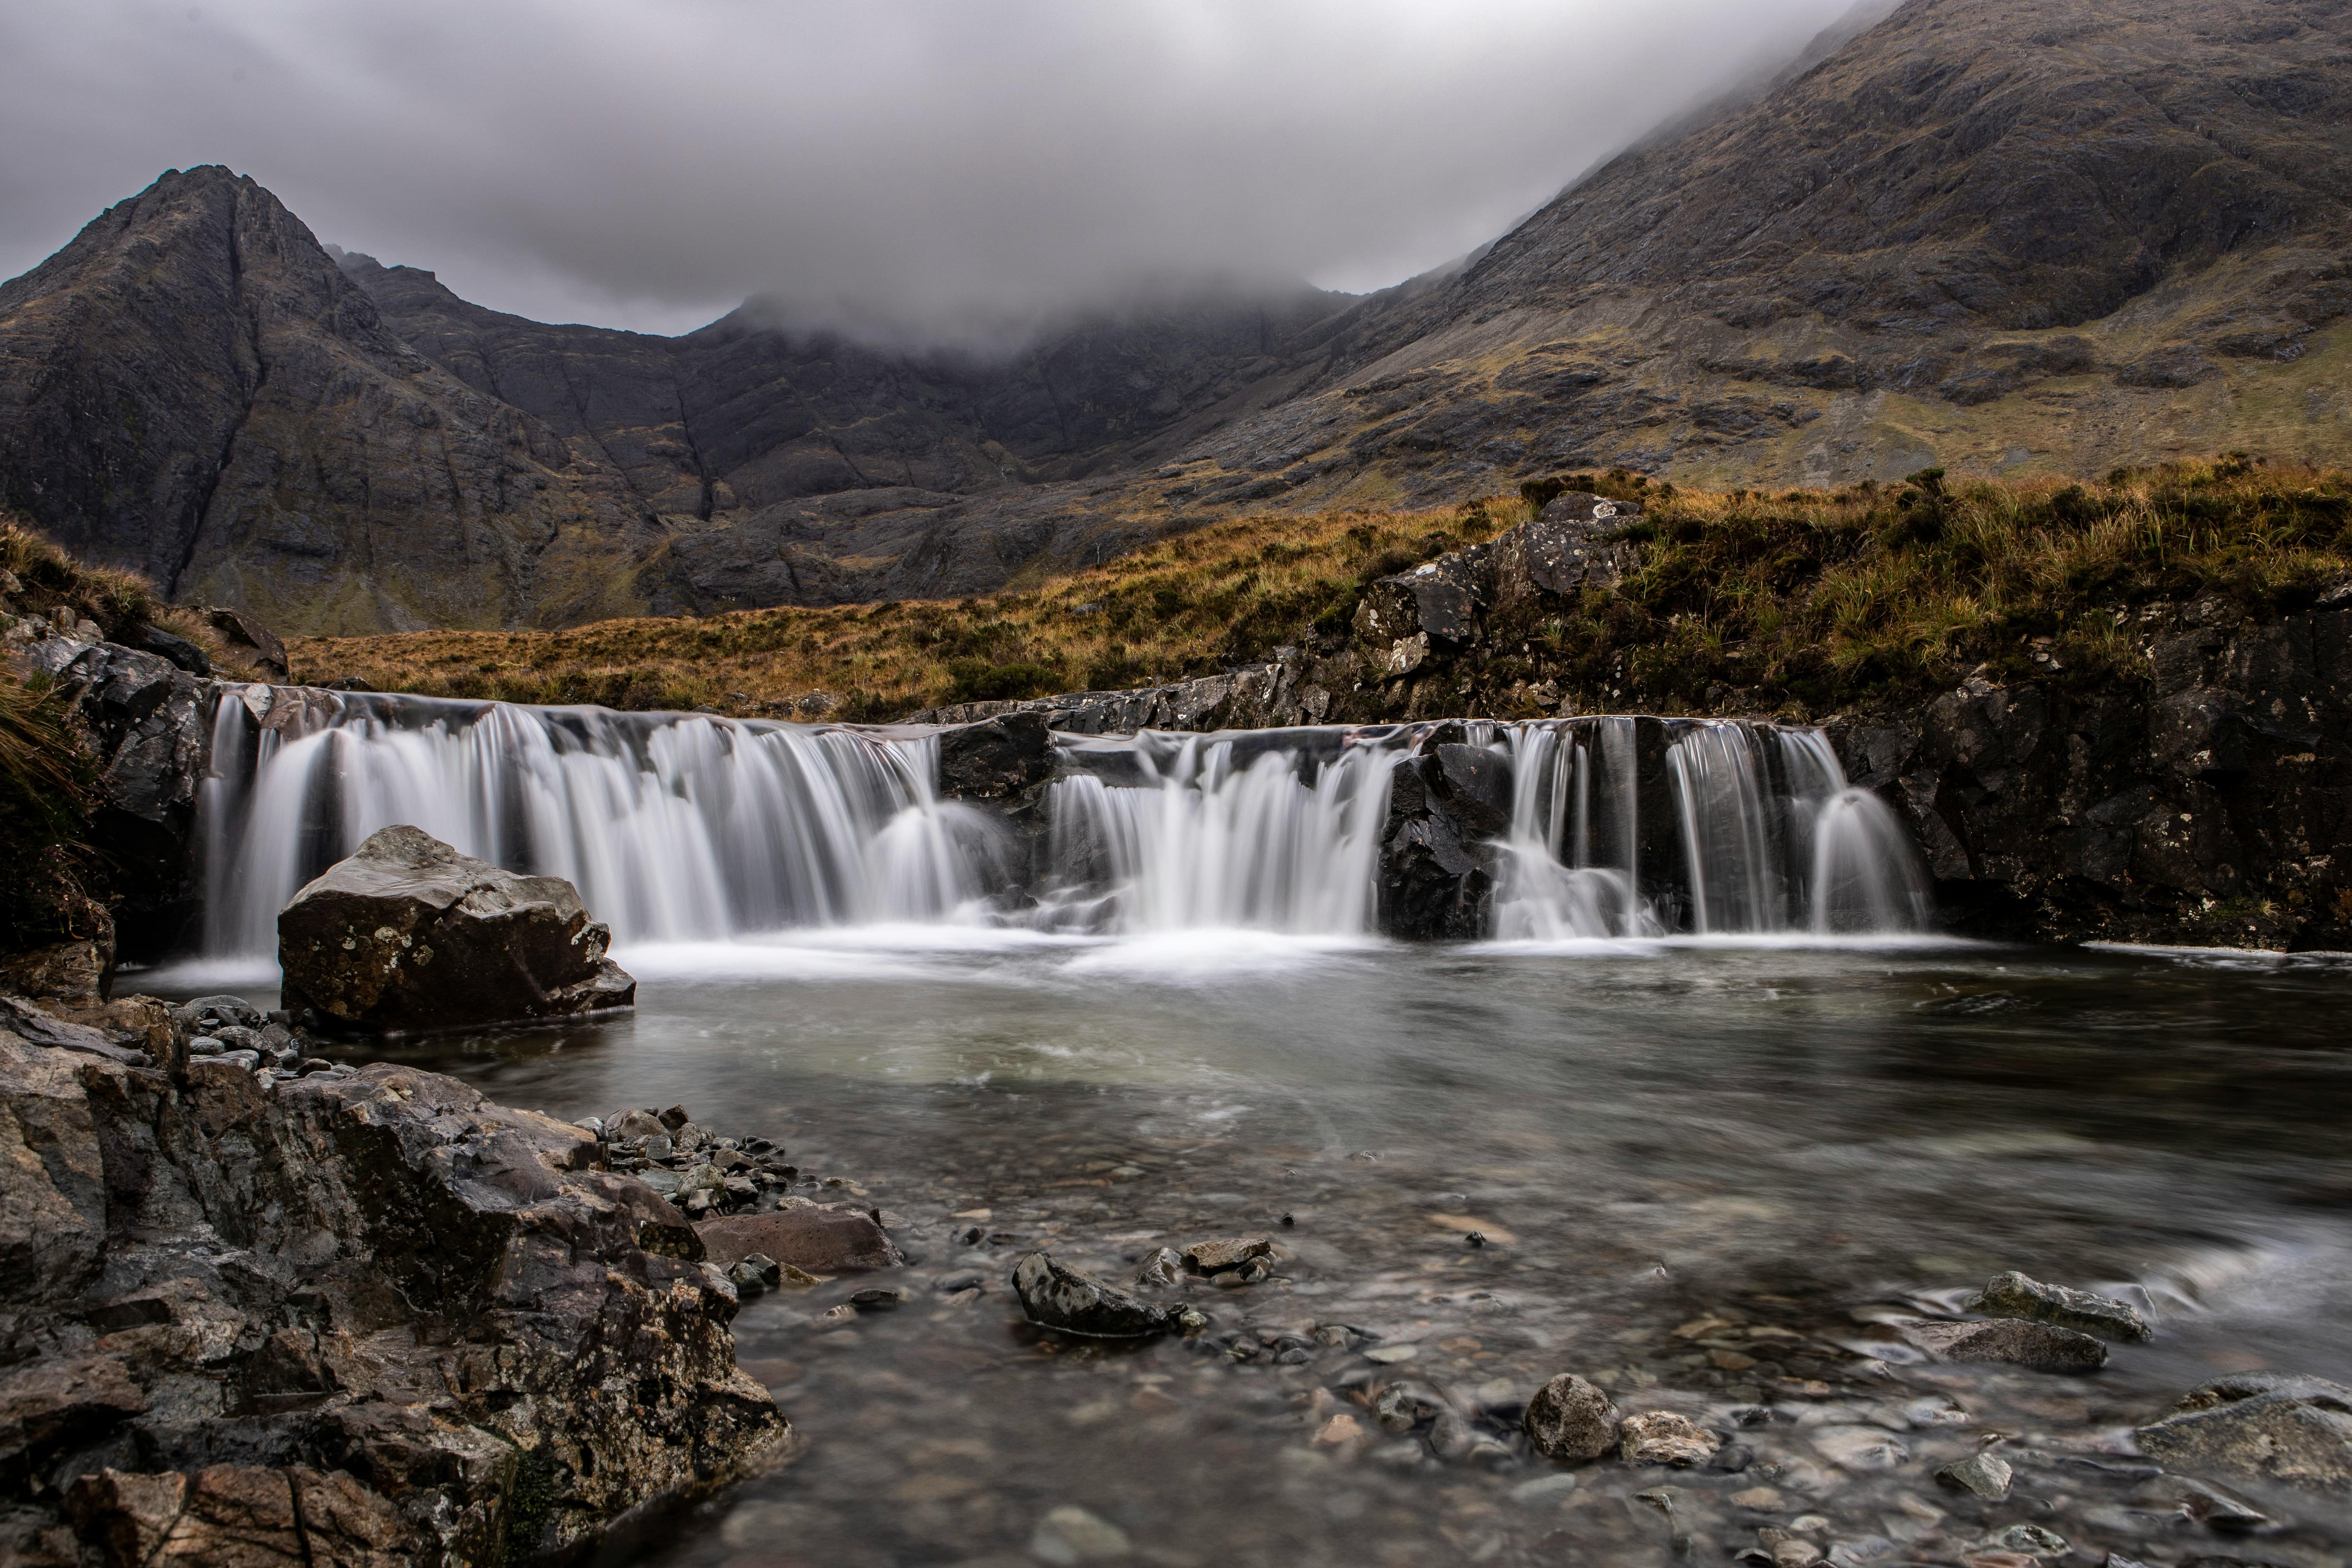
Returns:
point(2272, 1426)
point(1056, 1296)
point(409, 935)
point(367, 1311)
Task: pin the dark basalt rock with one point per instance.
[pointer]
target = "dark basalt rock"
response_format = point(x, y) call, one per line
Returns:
point(149, 722)
point(996, 759)
point(1056, 1296)
point(1448, 802)
point(250, 640)
point(409, 935)
point(2271, 1426)
point(360, 1316)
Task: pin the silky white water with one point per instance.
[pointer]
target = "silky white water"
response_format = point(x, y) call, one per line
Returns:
point(688, 827)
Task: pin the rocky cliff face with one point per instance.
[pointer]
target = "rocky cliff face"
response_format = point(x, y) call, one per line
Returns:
point(193, 390)
point(345, 1317)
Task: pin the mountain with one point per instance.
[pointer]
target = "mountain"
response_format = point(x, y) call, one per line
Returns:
point(192, 389)
point(1997, 235)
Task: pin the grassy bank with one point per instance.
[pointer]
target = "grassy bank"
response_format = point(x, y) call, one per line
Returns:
point(1796, 601)
point(1186, 606)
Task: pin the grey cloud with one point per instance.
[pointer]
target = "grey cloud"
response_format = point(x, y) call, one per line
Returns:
point(944, 170)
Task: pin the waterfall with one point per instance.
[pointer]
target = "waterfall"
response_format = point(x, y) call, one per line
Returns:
point(694, 828)
point(1769, 837)
point(673, 826)
point(1284, 841)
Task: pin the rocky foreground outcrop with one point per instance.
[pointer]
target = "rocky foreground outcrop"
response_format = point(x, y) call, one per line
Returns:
point(408, 935)
point(334, 1316)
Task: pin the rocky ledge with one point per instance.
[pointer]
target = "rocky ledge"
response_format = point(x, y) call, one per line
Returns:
point(257, 1309)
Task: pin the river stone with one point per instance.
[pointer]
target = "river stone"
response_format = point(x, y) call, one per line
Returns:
point(1056, 1296)
point(820, 1239)
point(1987, 1475)
point(1571, 1420)
point(409, 935)
point(1663, 1437)
point(2015, 1295)
point(1164, 1267)
point(2042, 1347)
point(1860, 1448)
point(1216, 1256)
point(2271, 1426)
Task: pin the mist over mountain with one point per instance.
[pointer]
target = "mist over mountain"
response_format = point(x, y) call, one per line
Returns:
point(923, 171)
point(1997, 234)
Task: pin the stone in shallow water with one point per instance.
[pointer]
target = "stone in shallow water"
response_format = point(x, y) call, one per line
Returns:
point(1056, 1296)
point(1860, 1448)
point(408, 935)
point(820, 1239)
point(2274, 1426)
point(1571, 1420)
point(1069, 1535)
point(1216, 1256)
point(1164, 1267)
point(2042, 1347)
point(2013, 1295)
point(1663, 1437)
point(1985, 1475)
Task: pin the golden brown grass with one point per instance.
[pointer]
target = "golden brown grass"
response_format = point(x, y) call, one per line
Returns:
point(1811, 600)
point(1186, 606)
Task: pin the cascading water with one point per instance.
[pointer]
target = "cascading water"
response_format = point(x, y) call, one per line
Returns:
point(683, 826)
point(673, 826)
point(1286, 840)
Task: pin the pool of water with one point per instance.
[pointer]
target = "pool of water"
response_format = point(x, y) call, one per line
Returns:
point(1703, 1173)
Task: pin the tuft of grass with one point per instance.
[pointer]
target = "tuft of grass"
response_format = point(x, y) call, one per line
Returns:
point(47, 789)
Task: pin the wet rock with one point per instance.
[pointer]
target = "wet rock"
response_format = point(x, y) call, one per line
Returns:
point(1860, 1448)
point(878, 1298)
point(997, 759)
point(1985, 1475)
point(1069, 1535)
point(2042, 1347)
point(623, 1124)
point(1056, 1296)
point(1162, 1268)
point(1663, 1437)
point(822, 1238)
point(1217, 1257)
point(2029, 1539)
point(1571, 1420)
point(2271, 1426)
point(749, 1282)
point(408, 934)
point(1448, 804)
point(285, 1234)
point(2013, 1295)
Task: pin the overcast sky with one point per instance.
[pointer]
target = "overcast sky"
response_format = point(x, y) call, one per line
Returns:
point(649, 163)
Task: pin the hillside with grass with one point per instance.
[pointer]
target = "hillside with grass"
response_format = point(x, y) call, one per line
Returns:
point(1797, 601)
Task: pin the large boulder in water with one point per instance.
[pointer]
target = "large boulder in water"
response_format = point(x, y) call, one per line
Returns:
point(409, 935)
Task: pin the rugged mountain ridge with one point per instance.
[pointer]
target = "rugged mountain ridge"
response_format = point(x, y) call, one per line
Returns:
point(192, 389)
point(2058, 235)
point(798, 467)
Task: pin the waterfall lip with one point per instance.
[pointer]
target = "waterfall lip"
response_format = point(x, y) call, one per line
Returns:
point(1726, 941)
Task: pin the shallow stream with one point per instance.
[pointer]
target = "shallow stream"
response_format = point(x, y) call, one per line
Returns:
point(1700, 1171)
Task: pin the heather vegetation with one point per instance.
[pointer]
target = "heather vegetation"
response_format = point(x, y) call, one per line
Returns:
point(1795, 601)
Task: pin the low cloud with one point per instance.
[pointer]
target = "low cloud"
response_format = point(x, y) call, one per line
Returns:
point(914, 170)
